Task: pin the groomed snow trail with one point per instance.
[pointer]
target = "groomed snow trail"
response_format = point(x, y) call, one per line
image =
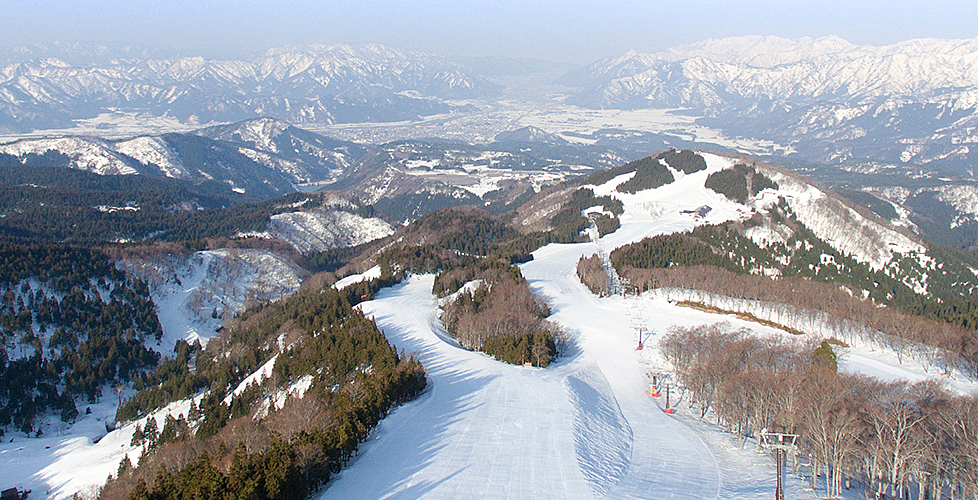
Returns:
point(581, 428)
point(485, 429)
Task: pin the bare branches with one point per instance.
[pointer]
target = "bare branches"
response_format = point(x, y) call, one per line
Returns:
point(889, 436)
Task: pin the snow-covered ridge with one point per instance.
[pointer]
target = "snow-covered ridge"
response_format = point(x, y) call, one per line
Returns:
point(961, 200)
point(868, 241)
point(289, 81)
point(92, 155)
point(319, 230)
point(154, 151)
point(964, 198)
point(780, 69)
point(308, 158)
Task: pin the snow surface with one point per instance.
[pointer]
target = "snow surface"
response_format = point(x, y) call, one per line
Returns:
point(582, 428)
point(369, 274)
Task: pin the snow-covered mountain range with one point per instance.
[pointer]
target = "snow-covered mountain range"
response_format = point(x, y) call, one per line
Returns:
point(314, 83)
point(262, 158)
point(914, 101)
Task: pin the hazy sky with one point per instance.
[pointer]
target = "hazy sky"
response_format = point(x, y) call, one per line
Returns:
point(575, 31)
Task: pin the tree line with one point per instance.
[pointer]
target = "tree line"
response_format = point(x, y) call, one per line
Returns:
point(890, 437)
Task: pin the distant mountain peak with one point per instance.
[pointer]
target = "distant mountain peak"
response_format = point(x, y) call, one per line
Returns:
point(529, 133)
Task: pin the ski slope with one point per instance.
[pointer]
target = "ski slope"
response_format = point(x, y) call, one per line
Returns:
point(581, 428)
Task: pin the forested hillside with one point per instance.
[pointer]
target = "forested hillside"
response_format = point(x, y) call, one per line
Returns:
point(50, 204)
point(71, 325)
point(249, 441)
point(946, 295)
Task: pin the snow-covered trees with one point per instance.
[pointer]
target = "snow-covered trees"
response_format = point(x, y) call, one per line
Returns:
point(279, 450)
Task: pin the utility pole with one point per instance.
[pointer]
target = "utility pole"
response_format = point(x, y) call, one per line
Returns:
point(780, 443)
point(668, 410)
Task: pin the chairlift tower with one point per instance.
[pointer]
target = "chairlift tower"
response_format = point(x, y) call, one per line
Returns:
point(781, 443)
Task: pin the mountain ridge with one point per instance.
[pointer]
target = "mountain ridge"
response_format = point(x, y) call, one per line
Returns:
point(832, 101)
point(314, 83)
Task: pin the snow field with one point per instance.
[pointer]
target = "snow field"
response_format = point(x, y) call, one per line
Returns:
point(581, 428)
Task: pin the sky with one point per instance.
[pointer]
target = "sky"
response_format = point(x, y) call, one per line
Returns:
point(573, 31)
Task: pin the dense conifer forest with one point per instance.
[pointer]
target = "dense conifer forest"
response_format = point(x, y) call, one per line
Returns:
point(70, 324)
point(739, 183)
point(249, 447)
